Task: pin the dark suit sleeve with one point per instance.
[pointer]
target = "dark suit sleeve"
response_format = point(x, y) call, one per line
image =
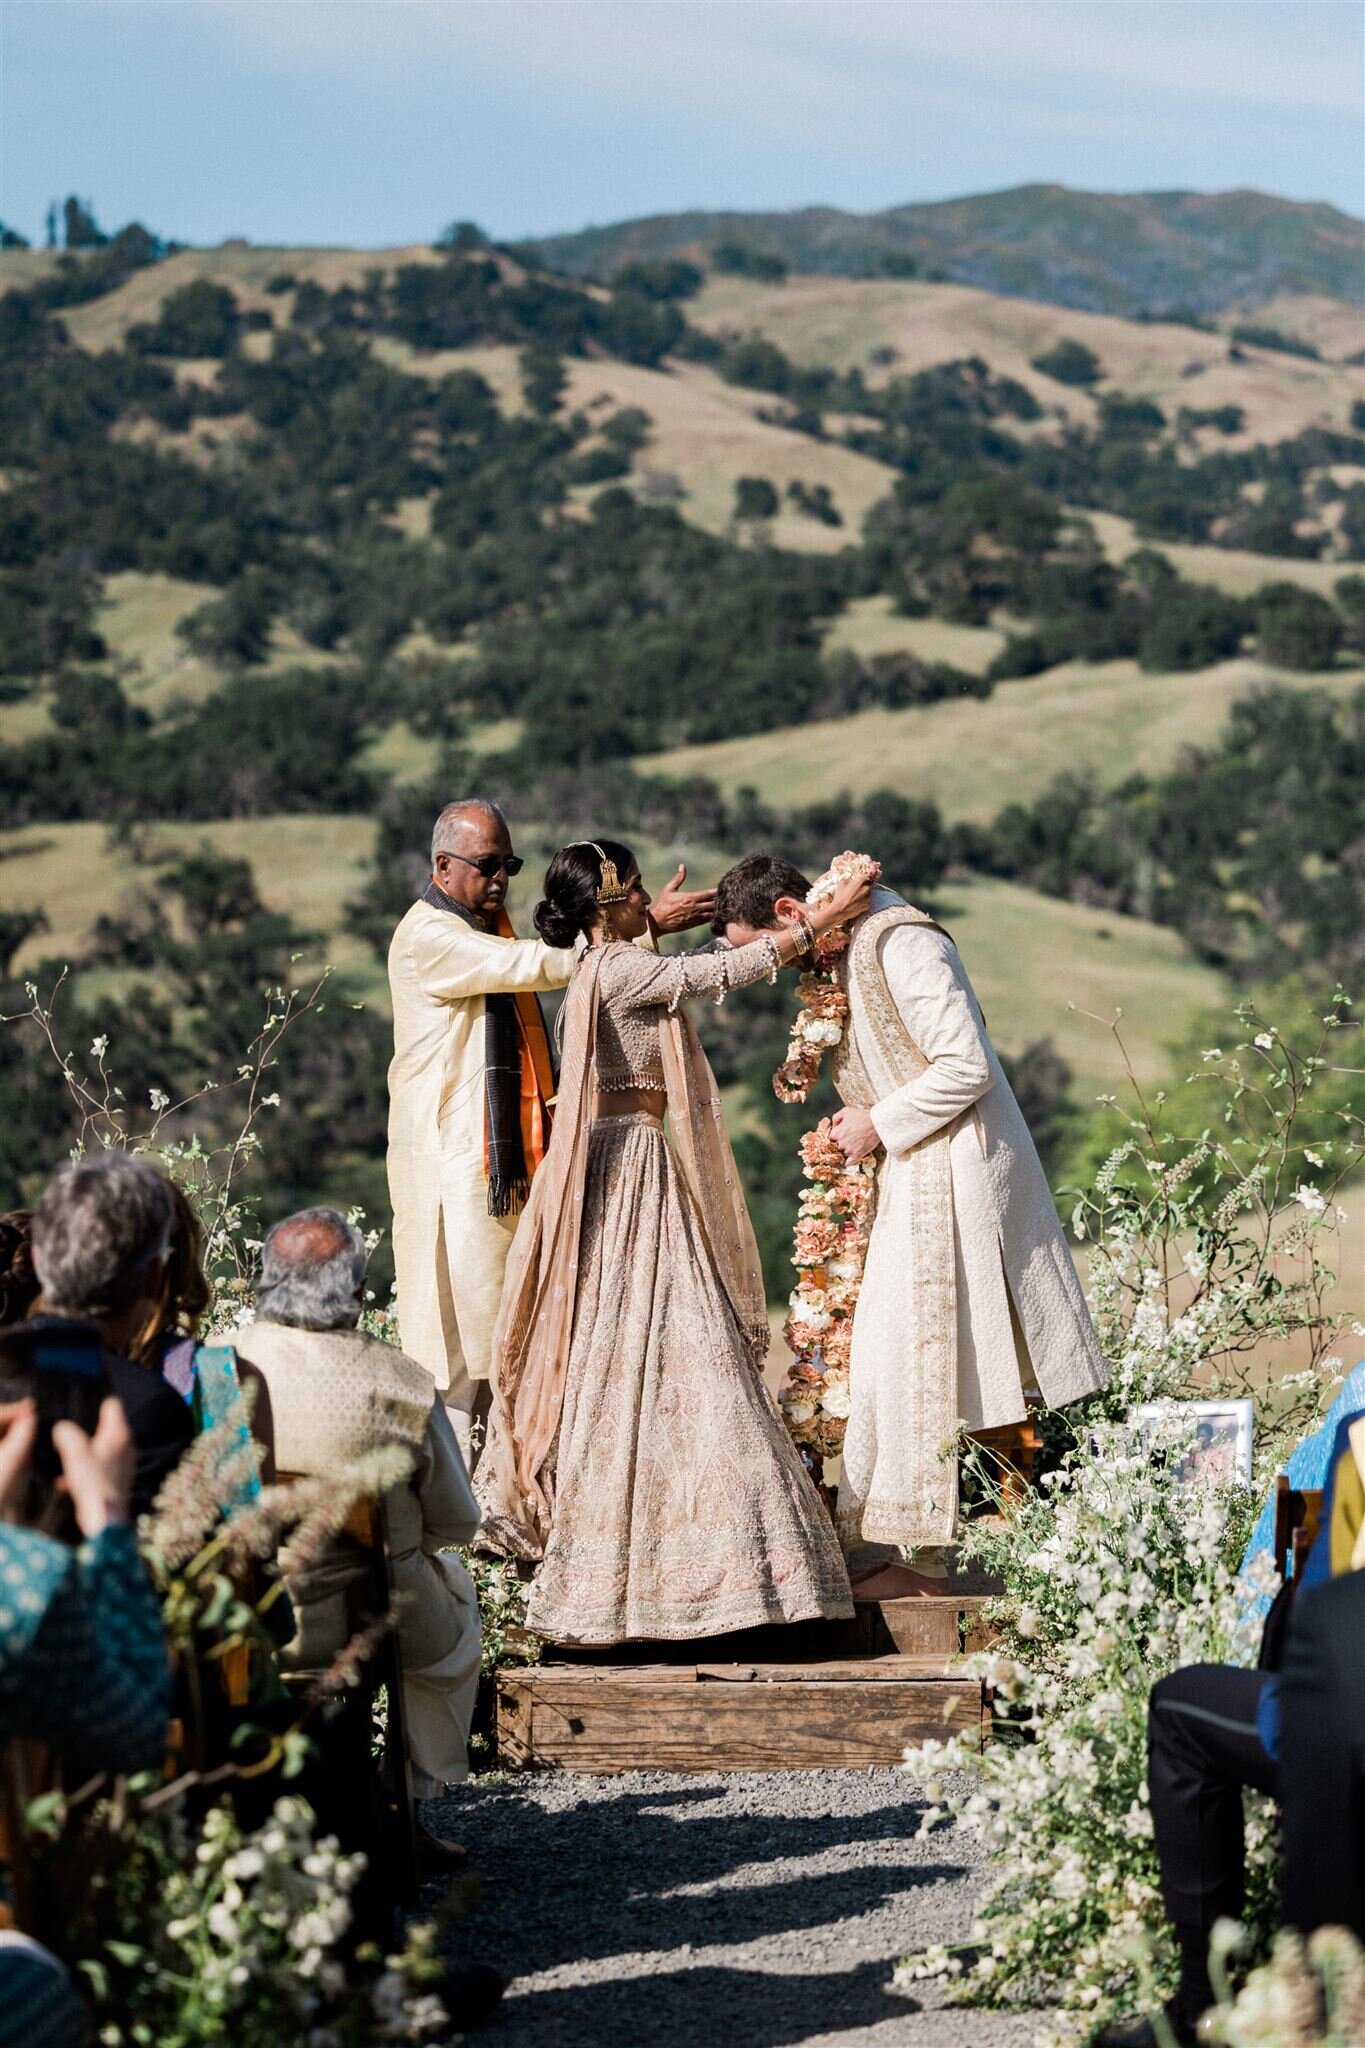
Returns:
point(1322, 1757)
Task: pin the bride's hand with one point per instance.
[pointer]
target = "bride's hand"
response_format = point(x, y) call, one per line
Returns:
point(850, 899)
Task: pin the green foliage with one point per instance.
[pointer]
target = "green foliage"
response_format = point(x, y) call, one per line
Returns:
point(1129, 419)
point(197, 319)
point(739, 259)
point(1225, 419)
point(543, 380)
point(755, 498)
point(1245, 849)
point(1296, 627)
point(816, 501)
point(1253, 334)
point(1192, 628)
point(234, 629)
point(668, 278)
point(1070, 362)
point(81, 229)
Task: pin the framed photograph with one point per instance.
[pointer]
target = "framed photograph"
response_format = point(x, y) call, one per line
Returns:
point(1222, 1436)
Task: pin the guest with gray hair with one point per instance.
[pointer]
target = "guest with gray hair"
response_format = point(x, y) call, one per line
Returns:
point(470, 1089)
point(100, 1235)
point(337, 1393)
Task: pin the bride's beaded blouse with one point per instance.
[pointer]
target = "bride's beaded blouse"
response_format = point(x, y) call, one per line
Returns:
point(637, 985)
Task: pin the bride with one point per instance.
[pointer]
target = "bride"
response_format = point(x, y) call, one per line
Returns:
point(633, 1447)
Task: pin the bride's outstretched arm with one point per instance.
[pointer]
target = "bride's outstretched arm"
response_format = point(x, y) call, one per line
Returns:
point(663, 980)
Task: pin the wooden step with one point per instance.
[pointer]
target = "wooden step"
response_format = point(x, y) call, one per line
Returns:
point(843, 1714)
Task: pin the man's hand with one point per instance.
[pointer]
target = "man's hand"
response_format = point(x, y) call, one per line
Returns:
point(855, 1134)
point(97, 1471)
point(676, 909)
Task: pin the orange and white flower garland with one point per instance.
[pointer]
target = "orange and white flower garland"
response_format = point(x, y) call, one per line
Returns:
point(833, 1220)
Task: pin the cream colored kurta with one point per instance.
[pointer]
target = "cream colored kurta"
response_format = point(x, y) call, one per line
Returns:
point(448, 1252)
point(335, 1394)
point(1007, 1244)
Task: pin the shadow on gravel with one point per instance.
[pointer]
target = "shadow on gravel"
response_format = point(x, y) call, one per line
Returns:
point(602, 1879)
point(706, 2007)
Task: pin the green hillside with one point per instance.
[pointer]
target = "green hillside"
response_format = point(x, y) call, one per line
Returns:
point(1106, 252)
point(294, 544)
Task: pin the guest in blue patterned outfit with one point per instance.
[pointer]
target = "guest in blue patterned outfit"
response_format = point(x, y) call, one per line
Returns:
point(83, 1665)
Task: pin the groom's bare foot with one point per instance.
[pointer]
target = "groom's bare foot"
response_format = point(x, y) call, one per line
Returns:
point(897, 1582)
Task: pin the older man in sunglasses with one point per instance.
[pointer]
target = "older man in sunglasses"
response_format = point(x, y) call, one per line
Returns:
point(470, 1092)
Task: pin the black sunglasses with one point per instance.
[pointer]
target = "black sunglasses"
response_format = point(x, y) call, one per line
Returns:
point(490, 864)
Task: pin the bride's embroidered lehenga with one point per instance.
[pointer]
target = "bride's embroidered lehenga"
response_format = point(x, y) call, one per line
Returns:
point(633, 1446)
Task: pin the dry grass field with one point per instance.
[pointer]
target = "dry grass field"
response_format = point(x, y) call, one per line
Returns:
point(244, 268)
point(704, 432)
point(845, 321)
point(1230, 569)
point(137, 616)
point(971, 755)
point(870, 626)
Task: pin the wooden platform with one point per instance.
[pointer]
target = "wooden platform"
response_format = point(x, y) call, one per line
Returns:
point(846, 1714)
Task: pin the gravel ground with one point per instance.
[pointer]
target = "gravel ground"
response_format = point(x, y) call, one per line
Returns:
point(658, 1911)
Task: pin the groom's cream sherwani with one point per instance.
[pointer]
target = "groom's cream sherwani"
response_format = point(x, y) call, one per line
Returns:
point(964, 1233)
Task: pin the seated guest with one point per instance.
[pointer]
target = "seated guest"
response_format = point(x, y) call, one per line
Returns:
point(336, 1394)
point(1298, 1736)
point(83, 1666)
point(100, 1236)
point(210, 1377)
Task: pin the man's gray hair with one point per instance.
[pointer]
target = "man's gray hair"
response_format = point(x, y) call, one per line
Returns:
point(312, 1271)
point(445, 831)
point(99, 1227)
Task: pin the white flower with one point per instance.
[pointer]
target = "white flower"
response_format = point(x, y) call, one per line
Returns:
point(99, 1046)
point(1313, 1158)
point(836, 1399)
point(1308, 1198)
point(820, 1030)
point(159, 1099)
point(809, 1313)
point(1211, 1052)
point(1265, 1040)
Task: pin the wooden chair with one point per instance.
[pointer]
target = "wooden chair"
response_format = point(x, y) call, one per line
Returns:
point(1011, 1454)
point(1298, 1517)
point(370, 1596)
point(26, 1771)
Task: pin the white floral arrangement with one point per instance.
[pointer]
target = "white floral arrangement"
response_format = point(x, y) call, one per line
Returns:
point(1117, 1569)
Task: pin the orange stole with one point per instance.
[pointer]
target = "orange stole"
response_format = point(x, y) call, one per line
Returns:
point(537, 1070)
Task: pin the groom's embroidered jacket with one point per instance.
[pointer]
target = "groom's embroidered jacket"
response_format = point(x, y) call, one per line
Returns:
point(449, 1249)
point(969, 1290)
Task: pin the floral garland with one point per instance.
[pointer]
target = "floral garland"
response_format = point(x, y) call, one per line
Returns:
point(833, 1219)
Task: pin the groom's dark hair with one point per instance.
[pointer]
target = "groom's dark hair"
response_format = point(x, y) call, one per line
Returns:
point(746, 893)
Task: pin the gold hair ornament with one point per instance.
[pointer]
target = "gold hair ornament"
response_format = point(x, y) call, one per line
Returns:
point(611, 889)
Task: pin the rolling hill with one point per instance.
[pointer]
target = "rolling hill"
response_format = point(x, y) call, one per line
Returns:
point(1106, 252)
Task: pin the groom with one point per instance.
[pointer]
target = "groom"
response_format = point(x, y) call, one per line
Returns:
point(969, 1295)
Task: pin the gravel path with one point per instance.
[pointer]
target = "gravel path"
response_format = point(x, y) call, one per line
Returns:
point(657, 1911)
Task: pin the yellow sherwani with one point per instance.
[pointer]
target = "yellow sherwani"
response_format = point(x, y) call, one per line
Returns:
point(449, 1253)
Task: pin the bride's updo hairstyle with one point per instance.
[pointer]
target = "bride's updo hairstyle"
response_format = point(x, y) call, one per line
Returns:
point(572, 880)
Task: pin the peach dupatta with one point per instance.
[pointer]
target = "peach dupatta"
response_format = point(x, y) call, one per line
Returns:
point(535, 1327)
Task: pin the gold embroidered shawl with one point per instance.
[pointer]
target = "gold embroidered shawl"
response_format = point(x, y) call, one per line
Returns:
point(876, 1056)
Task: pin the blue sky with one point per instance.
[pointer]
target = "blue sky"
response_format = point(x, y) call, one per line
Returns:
point(377, 121)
